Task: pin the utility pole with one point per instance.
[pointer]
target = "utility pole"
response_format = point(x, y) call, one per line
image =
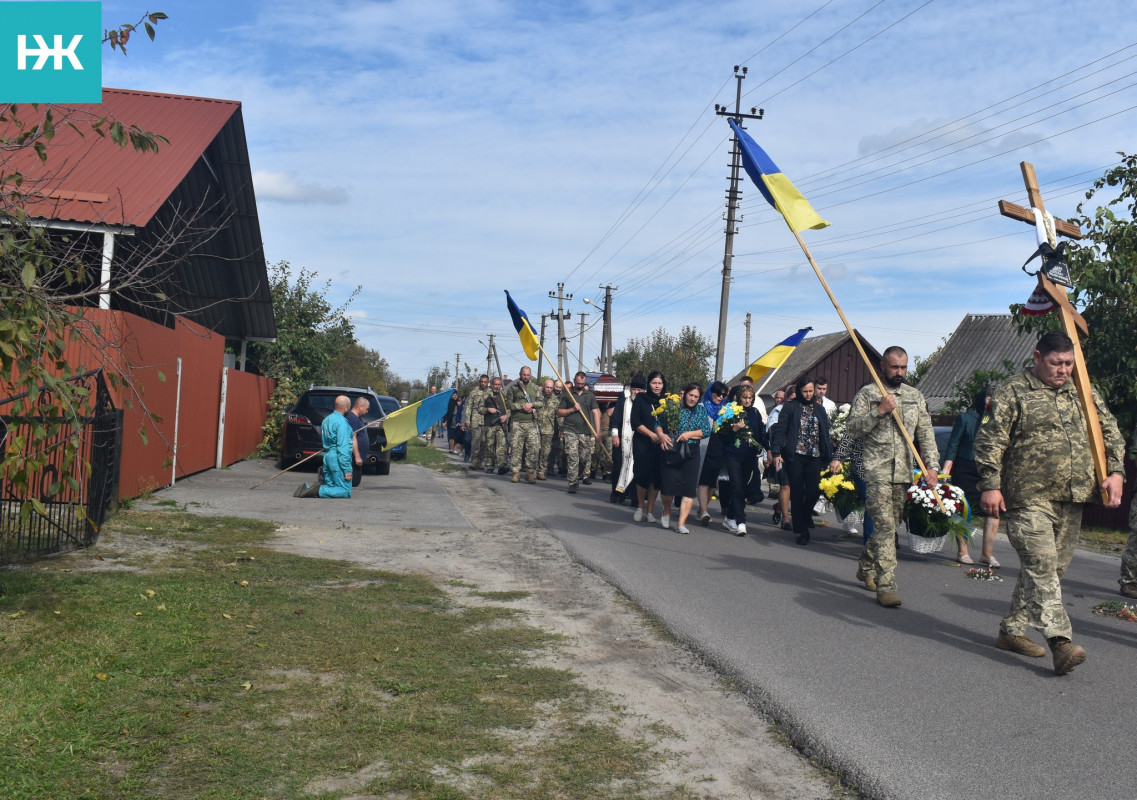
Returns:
point(746, 365)
point(605, 361)
point(489, 356)
point(733, 196)
point(580, 352)
point(541, 352)
point(561, 315)
point(457, 361)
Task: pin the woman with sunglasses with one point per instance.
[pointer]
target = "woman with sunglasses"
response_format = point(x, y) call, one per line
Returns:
point(710, 452)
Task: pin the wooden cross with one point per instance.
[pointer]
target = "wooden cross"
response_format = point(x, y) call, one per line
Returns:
point(1072, 321)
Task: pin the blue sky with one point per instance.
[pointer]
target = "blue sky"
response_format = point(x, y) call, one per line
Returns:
point(438, 152)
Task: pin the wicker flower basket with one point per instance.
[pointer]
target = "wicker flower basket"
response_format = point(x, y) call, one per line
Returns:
point(921, 543)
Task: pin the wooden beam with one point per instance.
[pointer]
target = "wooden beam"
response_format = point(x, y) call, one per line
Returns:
point(1061, 226)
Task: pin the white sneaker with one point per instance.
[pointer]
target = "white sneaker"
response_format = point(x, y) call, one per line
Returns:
point(682, 529)
point(665, 521)
point(730, 525)
point(651, 519)
point(639, 515)
point(740, 529)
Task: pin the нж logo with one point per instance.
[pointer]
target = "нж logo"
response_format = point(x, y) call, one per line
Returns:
point(51, 52)
point(43, 52)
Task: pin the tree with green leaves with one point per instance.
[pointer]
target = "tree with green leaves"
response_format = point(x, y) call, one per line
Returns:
point(361, 366)
point(44, 285)
point(682, 359)
point(1103, 267)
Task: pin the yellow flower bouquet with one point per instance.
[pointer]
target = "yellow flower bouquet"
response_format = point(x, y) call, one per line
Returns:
point(839, 489)
point(667, 413)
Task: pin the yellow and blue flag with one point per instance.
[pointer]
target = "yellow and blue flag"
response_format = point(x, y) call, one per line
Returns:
point(529, 341)
point(407, 423)
point(775, 356)
point(775, 186)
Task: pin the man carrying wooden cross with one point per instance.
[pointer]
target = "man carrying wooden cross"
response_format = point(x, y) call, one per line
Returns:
point(1036, 471)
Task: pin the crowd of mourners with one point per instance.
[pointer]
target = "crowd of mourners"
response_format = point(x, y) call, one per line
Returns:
point(1021, 455)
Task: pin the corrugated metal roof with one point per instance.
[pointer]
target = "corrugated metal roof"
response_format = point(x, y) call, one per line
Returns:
point(982, 341)
point(201, 179)
point(89, 178)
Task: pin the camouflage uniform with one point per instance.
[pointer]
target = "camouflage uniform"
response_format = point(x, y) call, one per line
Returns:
point(1035, 450)
point(475, 402)
point(579, 439)
point(889, 465)
point(526, 438)
point(496, 444)
point(1129, 557)
point(547, 425)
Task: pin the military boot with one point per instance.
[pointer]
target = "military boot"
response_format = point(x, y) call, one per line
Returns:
point(1019, 644)
point(1067, 655)
point(530, 477)
point(868, 580)
point(888, 599)
point(516, 477)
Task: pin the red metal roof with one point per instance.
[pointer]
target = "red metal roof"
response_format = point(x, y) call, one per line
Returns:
point(91, 179)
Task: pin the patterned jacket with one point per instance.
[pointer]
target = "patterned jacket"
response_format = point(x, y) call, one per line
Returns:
point(1035, 445)
point(475, 403)
point(886, 455)
point(546, 413)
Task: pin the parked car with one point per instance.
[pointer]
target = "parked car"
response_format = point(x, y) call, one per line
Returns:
point(389, 405)
point(301, 435)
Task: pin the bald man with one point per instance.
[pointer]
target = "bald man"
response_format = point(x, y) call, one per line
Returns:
point(336, 437)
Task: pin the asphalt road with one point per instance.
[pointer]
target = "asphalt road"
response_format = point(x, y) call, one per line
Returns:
point(914, 702)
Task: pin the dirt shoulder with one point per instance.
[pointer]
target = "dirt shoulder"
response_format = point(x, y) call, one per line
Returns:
point(458, 531)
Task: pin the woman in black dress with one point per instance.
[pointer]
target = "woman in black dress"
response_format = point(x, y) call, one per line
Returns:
point(680, 478)
point(646, 441)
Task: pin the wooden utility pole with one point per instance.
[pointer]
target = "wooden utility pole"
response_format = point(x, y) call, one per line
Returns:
point(746, 358)
point(580, 349)
point(1072, 321)
point(733, 197)
point(606, 343)
point(541, 355)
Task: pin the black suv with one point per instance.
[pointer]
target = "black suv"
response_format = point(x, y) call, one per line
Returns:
point(301, 434)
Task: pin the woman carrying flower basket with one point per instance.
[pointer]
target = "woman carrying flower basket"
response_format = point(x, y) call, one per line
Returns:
point(743, 436)
point(800, 443)
point(686, 419)
point(646, 441)
point(959, 462)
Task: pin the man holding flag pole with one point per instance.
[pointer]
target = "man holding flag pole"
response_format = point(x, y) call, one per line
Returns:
point(799, 215)
point(576, 409)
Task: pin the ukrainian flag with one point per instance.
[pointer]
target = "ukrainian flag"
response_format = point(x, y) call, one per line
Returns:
point(407, 423)
point(775, 186)
point(775, 356)
point(521, 324)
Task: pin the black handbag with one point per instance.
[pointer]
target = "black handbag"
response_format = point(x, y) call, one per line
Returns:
point(680, 452)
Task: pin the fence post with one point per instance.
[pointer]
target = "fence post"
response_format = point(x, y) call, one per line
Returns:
point(221, 419)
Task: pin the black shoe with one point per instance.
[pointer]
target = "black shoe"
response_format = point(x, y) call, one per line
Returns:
point(587, 481)
point(787, 526)
point(502, 470)
point(803, 538)
point(776, 517)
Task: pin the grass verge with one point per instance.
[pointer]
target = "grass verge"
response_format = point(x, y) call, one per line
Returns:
point(1103, 540)
point(425, 455)
point(182, 658)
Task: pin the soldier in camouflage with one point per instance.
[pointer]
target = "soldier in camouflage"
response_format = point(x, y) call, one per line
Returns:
point(525, 436)
point(580, 416)
point(889, 465)
point(1128, 579)
point(475, 403)
point(1036, 469)
point(495, 419)
point(546, 424)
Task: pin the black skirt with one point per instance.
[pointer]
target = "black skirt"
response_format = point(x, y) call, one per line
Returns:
point(645, 461)
point(680, 480)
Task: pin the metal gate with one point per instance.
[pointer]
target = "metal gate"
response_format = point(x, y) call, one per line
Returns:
point(77, 510)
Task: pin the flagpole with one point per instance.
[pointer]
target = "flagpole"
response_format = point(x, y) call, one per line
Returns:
point(865, 356)
point(568, 388)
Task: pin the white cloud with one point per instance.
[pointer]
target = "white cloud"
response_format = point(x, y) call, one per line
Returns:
point(283, 187)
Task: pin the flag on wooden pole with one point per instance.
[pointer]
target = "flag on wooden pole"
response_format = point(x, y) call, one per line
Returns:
point(529, 341)
point(775, 356)
point(774, 186)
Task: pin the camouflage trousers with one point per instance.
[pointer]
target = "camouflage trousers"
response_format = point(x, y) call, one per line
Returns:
point(884, 502)
point(1044, 535)
point(477, 446)
point(1129, 557)
point(546, 446)
point(496, 447)
point(526, 448)
point(578, 452)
